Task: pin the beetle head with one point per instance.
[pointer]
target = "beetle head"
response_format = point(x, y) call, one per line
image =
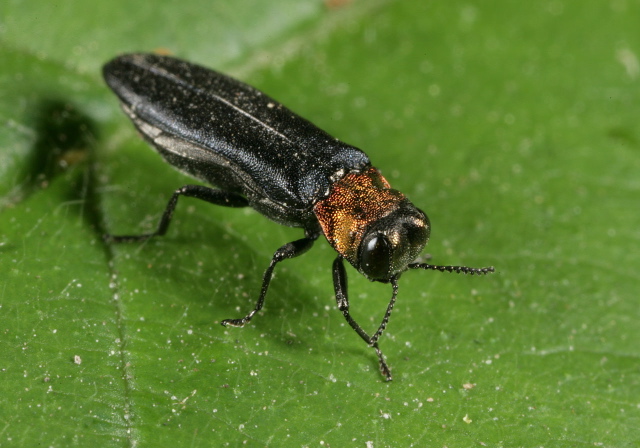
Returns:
point(392, 242)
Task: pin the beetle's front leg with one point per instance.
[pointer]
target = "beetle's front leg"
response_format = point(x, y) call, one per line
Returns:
point(342, 299)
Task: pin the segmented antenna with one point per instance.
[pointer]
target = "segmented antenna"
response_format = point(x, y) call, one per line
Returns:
point(456, 269)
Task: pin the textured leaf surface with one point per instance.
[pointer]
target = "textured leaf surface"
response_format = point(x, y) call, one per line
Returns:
point(514, 126)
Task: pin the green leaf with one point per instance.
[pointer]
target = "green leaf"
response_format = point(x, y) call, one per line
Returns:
point(513, 125)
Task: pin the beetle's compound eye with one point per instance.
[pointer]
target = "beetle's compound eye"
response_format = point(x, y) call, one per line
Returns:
point(375, 257)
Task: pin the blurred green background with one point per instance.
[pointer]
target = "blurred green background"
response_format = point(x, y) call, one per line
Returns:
point(513, 125)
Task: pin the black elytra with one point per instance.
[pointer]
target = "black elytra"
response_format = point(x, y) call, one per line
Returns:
point(258, 153)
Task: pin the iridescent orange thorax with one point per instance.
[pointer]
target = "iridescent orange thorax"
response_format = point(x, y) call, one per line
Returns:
point(354, 203)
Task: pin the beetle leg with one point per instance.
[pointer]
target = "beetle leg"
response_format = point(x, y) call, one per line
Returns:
point(289, 250)
point(212, 195)
point(342, 299)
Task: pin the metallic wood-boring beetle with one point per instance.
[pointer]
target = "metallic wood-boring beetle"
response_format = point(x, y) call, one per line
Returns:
point(258, 153)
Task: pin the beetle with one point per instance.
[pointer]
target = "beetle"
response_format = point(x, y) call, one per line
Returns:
point(258, 153)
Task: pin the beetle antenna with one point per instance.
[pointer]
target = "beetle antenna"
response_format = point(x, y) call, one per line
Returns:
point(456, 269)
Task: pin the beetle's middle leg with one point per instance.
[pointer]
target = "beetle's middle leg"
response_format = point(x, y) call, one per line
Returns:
point(289, 250)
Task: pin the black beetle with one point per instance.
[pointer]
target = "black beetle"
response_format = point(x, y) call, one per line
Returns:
point(260, 154)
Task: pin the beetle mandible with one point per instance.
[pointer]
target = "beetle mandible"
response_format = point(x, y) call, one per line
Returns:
point(257, 153)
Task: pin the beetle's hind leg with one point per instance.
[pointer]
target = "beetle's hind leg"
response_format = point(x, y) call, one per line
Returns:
point(289, 250)
point(342, 299)
point(212, 195)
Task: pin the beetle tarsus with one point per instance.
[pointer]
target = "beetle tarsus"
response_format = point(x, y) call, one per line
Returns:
point(235, 322)
point(384, 367)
